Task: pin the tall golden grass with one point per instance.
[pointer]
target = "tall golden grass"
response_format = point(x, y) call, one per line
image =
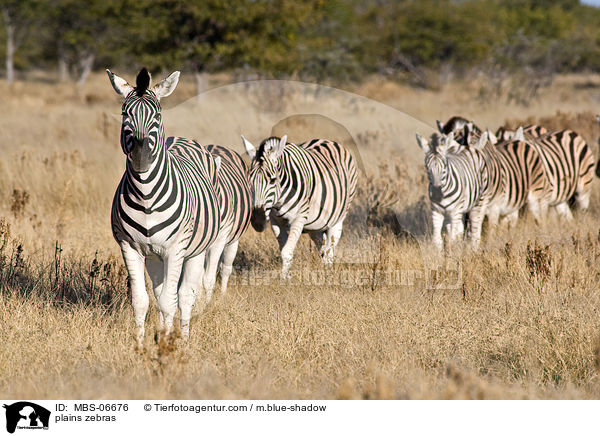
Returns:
point(520, 321)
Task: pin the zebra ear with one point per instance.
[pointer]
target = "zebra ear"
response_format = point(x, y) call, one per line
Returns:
point(519, 136)
point(500, 134)
point(483, 139)
point(218, 165)
point(492, 138)
point(423, 143)
point(278, 149)
point(439, 126)
point(166, 86)
point(119, 84)
point(249, 147)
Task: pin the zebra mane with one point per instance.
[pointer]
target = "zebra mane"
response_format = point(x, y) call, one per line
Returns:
point(260, 153)
point(142, 82)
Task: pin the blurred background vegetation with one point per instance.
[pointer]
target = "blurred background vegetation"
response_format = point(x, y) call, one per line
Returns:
point(424, 42)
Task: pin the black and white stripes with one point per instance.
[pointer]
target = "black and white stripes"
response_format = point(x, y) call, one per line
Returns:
point(233, 192)
point(301, 188)
point(568, 166)
point(533, 165)
point(176, 202)
point(516, 174)
point(459, 183)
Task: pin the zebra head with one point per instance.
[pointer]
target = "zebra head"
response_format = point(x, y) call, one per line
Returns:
point(464, 130)
point(436, 161)
point(142, 130)
point(503, 134)
point(264, 178)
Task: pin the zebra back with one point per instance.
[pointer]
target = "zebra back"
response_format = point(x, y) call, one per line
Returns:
point(335, 168)
point(568, 163)
point(529, 131)
point(516, 169)
point(522, 174)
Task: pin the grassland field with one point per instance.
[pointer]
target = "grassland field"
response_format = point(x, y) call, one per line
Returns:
point(517, 319)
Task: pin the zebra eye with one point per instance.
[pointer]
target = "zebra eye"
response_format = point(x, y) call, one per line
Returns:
point(273, 179)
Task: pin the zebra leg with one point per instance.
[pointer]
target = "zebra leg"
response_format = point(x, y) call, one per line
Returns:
point(319, 239)
point(583, 200)
point(213, 255)
point(156, 269)
point(538, 207)
point(564, 211)
point(510, 220)
point(134, 262)
point(276, 229)
point(477, 215)
point(332, 238)
point(167, 302)
point(438, 221)
point(287, 252)
point(457, 226)
point(227, 264)
point(281, 233)
point(192, 272)
point(493, 219)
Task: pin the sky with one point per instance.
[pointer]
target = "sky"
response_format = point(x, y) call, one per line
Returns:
point(591, 2)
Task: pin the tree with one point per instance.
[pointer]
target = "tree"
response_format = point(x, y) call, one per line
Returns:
point(217, 35)
point(17, 16)
point(82, 31)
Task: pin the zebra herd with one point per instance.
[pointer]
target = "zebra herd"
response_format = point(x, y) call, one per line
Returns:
point(181, 207)
point(483, 174)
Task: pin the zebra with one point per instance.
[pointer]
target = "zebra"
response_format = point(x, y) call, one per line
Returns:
point(304, 188)
point(568, 165)
point(234, 194)
point(529, 131)
point(457, 125)
point(517, 177)
point(458, 184)
point(525, 159)
point(165, 212)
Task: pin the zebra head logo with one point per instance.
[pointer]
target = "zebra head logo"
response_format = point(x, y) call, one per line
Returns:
point(264, 178)
point(142, 130)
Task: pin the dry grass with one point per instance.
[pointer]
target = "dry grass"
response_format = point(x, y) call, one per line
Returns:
point(521, 322)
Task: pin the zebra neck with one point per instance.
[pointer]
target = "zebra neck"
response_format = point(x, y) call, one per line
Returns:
point(284, 170)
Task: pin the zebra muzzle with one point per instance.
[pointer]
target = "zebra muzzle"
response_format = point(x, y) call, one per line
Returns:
point(259, 219)
point(435, 193)
point(141, 155)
